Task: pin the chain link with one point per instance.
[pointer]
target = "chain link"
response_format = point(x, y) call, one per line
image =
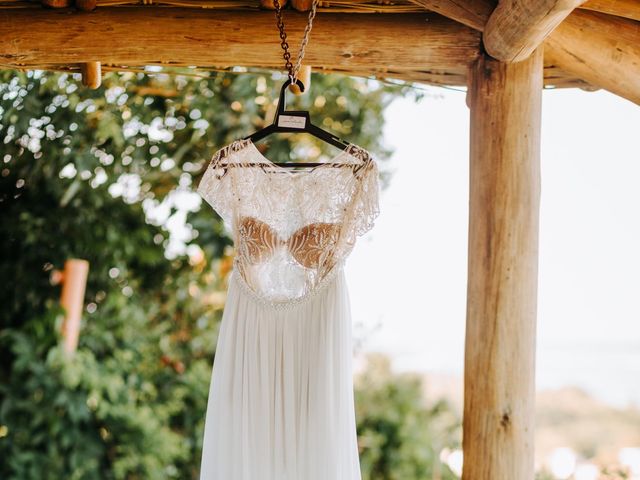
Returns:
point(291, 68)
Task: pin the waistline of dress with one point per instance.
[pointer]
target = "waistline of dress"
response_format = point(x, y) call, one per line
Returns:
point(236, 277)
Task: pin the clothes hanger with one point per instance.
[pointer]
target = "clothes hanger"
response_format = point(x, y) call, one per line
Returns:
point(296, 121)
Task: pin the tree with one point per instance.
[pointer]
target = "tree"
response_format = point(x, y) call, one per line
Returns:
point(400, 435)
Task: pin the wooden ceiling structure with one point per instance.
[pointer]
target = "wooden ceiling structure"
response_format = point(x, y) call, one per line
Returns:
point(594, 46)
point(505, 52)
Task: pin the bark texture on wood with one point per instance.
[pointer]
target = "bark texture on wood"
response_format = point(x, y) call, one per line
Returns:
point(517, 27)
point(134, 36)
point(505, 103)
point(602, 49)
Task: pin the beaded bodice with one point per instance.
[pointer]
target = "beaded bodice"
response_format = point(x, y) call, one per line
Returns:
point(291, 228)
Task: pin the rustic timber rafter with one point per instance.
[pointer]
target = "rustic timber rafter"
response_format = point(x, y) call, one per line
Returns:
point(439, 51)
point(476, 13)
point(134, 36)
point(472, 13)
point(609, 56)
point(517, 27)
point(603, 50)
point(622, 8)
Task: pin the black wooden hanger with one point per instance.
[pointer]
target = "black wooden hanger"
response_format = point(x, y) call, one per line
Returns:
point(296, 121)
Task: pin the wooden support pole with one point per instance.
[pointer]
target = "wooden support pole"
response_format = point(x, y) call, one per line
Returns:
point(74, 280)
point(517, 27)
point(499, 388)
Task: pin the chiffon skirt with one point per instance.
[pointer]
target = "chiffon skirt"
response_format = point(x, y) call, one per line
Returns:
point(281, 404)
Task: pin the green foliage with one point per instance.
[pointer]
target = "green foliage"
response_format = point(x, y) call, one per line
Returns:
point(400, 436)
point(98, 175)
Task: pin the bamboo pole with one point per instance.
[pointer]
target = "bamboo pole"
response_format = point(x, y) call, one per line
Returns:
point(498, 426)
point(74, 278)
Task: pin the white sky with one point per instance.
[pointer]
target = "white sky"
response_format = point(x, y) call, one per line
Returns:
point(407, 276)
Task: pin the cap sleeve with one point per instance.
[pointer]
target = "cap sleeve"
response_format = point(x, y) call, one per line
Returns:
point(215, 186)
point(364, 207)
point(366, 203)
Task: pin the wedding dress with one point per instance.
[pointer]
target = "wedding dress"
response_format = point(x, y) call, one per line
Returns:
point(281, 403)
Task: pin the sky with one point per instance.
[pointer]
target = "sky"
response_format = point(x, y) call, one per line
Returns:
point(407, 276)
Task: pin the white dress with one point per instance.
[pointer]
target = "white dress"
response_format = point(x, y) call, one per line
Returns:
point(281, 404)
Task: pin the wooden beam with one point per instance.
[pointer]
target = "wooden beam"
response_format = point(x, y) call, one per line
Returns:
point(555, 77)
point(472, 13)
point(498, 426)
point(475, 13)
point(517, 27)
point(268, 4)
point(302, 5)
point(141, 36)
point(602, 49)
point(585, 45)
point(56, 3)
point(622, 8)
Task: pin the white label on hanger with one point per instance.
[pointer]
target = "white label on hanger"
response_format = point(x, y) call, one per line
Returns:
point(291, 121)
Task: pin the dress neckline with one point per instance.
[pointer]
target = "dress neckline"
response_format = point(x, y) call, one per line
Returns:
point(293, 173)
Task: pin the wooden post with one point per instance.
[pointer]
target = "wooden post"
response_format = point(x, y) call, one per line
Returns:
point(304, 75)
point(74, 280)
point(505, 103)
point(91, 74)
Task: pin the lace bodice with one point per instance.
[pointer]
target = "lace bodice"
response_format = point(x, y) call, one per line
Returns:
point(291, 229)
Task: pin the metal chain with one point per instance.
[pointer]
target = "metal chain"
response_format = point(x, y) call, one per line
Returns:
point(294, 69)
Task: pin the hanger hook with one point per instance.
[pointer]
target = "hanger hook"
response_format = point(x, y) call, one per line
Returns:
point(282, 100)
